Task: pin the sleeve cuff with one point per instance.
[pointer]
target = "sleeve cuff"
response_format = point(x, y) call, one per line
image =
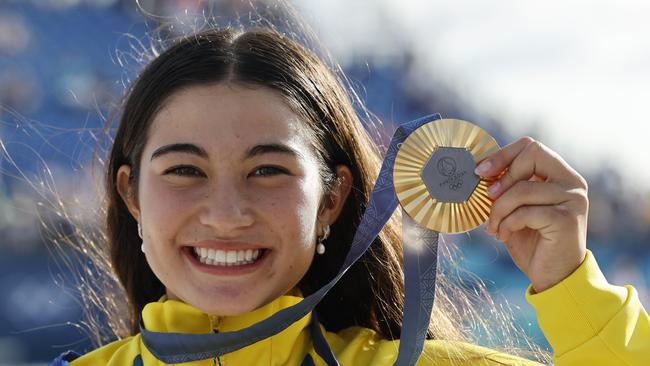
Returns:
point(577, 308)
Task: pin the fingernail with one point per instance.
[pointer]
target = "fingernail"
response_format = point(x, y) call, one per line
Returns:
point(483, 167)
point(493, 189)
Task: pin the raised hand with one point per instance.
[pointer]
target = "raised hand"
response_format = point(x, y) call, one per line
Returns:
point(539, 211)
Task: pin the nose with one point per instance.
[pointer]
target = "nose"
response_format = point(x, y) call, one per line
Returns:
point(227, 209)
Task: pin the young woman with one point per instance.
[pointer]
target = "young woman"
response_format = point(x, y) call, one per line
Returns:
point(237, 177)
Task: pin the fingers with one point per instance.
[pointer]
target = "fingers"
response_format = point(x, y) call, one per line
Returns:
point(536, 218)
point(525, 193)
point(494, 164)
point(527, 159)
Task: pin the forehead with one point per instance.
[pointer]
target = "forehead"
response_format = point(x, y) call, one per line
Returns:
point(226, 115)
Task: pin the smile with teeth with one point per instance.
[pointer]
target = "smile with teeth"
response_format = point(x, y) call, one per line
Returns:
point(227, 257)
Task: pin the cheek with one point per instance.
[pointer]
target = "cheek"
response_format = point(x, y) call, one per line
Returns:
point(163, 209)
point(291, 213)
point(292, 219)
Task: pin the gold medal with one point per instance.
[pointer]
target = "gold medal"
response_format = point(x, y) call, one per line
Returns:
point(434, 175)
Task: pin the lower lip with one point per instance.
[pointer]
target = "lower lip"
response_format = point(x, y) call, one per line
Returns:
point(226, 270)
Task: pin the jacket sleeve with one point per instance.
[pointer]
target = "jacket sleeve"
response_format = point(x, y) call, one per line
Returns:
point(64, 358)
point(588, 321)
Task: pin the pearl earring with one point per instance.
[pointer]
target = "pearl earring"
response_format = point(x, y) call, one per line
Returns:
point(140, 235)
point(320, 248)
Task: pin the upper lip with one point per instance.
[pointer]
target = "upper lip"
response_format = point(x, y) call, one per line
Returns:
point(226, 245)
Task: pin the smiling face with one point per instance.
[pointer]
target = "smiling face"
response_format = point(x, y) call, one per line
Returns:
point(229, 193)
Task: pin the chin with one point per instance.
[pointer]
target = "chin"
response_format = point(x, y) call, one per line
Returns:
point(228, 303)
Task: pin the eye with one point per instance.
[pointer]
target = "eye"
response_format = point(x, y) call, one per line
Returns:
point(185, 171)
point(268, 170)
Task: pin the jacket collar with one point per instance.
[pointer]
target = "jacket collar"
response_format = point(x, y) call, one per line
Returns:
point(175, 316)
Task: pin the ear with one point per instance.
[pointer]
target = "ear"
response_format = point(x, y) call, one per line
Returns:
point(333, 203)
point(126, 191)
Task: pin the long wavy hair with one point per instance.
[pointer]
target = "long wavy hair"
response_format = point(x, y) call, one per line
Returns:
point(116, 281)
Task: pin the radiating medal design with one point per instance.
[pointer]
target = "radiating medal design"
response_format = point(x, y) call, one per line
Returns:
point(434, 175)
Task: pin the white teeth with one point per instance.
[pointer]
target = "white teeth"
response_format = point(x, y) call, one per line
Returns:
point(231, 257)
point(217, 255)
point(227, 258)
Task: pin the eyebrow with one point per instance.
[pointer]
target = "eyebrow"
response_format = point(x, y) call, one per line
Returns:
point(192, 149)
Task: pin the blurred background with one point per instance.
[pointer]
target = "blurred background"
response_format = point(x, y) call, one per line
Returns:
point(576, 77)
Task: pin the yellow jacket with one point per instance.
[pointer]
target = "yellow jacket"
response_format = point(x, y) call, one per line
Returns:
point(586, 320)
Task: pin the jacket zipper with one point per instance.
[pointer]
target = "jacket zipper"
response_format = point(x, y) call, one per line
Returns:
point(215, 361)
point(215, 322)
point(217, 357)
